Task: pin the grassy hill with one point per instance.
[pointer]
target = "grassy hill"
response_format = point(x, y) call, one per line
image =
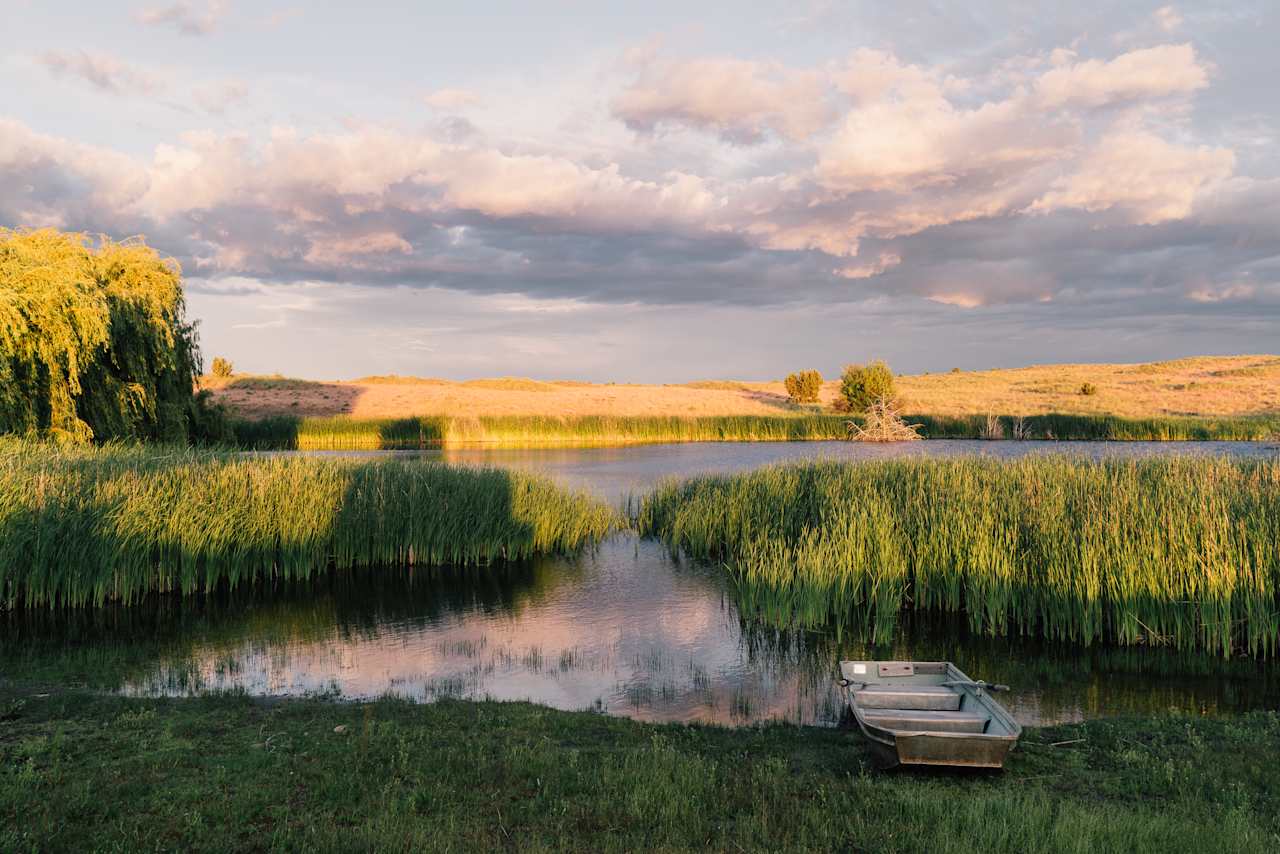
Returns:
point(1209, 386)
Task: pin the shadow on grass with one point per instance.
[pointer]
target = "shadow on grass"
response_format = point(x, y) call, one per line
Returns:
point(119, 528)
point(269, 396)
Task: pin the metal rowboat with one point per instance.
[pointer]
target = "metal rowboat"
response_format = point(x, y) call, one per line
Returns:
point(928, 713)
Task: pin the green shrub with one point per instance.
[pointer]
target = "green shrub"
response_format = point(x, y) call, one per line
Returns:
point(804, 386)
point(222, 368)
point(863, 385)
point(1088, 389)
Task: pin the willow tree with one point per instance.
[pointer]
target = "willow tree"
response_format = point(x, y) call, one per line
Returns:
point(94, 343)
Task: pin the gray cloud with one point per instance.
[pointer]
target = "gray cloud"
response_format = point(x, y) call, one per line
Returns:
point(217, 98)
point(103, 72)
point(187, 18)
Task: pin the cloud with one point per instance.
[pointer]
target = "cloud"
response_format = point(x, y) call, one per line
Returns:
point(217, 98)
point(1167, 19)
point(186, 18)
point(46, 180)
point(103, 72)
point(352, 250)
point(740, 100)
point(452, 99)
point(871, 75)
point(1152, 180)
point(1150, 73)
point(871, 268)
point(1238, 291)
point(906, 180)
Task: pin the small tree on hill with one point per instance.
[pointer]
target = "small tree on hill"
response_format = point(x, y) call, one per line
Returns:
point(222, 368)
point(863, 385)
point(804, 386)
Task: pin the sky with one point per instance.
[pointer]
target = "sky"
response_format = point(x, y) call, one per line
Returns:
point(663, 192)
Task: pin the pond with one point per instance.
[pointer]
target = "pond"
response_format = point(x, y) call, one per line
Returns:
point(625, 628)
point(615, 472)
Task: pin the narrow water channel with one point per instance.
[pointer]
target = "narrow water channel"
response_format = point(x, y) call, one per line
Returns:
point(624, 629)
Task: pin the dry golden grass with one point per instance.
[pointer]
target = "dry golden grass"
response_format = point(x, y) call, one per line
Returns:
point(1204, 385)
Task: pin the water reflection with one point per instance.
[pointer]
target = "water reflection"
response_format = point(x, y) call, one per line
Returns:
point(615, 472)
point(624, 630)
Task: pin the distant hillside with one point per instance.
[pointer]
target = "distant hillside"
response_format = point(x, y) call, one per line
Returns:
point(1202, 385)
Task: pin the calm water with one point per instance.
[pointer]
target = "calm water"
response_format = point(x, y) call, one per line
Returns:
point(625, 629)
point(614, 472)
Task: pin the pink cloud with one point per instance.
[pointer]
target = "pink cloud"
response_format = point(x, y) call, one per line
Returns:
point(740, 100)
point(452, 99)
point(1155, 72)
point(1150, 179)
point(186, 17)
point(869, 152)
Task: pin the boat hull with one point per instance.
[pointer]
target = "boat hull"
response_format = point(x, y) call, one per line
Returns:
point(910, 743)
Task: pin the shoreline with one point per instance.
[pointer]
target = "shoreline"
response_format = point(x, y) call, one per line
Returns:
point(423, 432)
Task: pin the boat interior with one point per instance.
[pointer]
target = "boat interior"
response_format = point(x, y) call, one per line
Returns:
point(922, 697)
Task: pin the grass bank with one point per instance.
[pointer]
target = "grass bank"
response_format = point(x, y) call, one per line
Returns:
point(348, 433)
point(88, 772)
point(85, 526)
point(1175, 552)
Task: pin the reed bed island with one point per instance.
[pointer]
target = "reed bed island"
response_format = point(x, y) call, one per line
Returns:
point(85, 526)
point(1169, 552)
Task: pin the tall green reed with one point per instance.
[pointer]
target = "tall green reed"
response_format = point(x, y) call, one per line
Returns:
point(344, 433)
point(84, 526)
point(347, 433)
point(1176, 552)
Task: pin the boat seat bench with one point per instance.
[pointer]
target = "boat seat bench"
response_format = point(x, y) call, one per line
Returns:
point(921, 697)
point(917, 720)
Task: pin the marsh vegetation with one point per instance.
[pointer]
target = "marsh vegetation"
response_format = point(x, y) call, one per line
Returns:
point(90, 525)
point(348, 433)
point(1162, 552)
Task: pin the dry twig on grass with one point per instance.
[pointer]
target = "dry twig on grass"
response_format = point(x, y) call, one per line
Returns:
point(883, 423)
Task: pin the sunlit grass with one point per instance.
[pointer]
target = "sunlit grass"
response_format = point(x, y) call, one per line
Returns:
point(344, 433)
point(88, 526)
point(81, 771)
point(1176, 552)
point(348, 433)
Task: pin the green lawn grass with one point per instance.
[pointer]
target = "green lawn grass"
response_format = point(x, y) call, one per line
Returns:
point(85, 772)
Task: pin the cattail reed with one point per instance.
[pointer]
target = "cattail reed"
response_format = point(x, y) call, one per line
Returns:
point(85, 526)
point(347, 433)
point(1172, 552)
